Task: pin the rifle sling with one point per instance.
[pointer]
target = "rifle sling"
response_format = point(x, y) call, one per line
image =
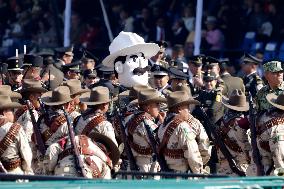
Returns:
point(55, 124)
point(92, 124)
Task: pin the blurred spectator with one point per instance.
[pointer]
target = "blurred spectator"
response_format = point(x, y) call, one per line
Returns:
point(257, 17)
point(144, 23)
point(189, 18)
point(126, 20)
point(214, 39)
point(160, 32)
point(179, 32)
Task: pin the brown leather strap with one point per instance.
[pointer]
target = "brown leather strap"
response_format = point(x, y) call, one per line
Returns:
point(140, 149)
point(174, 153)
point(10, 137)
point(19, 112)
point(53, 127)
point(12, 164)
point(95, 169)
point(267, 125)
point(223, 131)
point(168, 133)
point(92, 124)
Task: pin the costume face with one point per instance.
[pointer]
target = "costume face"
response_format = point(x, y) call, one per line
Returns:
point(133, 70)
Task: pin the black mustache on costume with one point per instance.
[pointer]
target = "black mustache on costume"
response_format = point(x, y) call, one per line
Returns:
point(141, 71)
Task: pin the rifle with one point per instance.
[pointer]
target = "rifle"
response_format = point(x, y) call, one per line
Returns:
point(2, 168)
point(78, 160)
point(48, 88)
point(37, 133)
point(255, 152)
point(130, 156)
point(210, 130)
point(154, 144)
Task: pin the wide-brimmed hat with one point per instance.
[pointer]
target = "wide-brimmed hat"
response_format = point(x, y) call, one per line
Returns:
point(74, 86)
point(98, 95)
point(276, 101)
point(58, 96)
point(180, 97)
point(6, 103)
point(6, 90)
point(237, 101)
point(127, 43)
point(32, 85)
point(149, 95)
point(111, 147)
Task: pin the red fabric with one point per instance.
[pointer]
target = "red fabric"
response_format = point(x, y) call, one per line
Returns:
point(244, 123)
point(62, 142)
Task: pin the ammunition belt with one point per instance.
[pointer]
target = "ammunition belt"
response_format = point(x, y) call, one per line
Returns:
point(95, 169)
point(12, 164)
point(140, 149)
point(55, 124)
point(116, 125)
point(174, 153)
point(92, 124)
point(265, 145)
point(134, 122)
point(9, 137)
point(168, 133)
point(267, 125)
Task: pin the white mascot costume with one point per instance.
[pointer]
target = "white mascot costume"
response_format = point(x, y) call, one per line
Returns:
point(129, 56)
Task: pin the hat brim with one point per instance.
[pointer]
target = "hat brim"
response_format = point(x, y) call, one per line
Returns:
point(85, 98)
point(34, 90)
point(81, 91)
point(15, 95)
point(271, 98)
point(15, 69)
point(155, 100)
point(10, 105)
point(46, 98)
point(188, 101)
point(148, 49)
point(225, 102)
point(110, 145)
point(159, 73)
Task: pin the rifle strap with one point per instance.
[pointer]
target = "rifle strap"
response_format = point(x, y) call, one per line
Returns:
point(92, 124)
point(95, 169)
point(264, 145)
point(167, 135)
point(55, 124)
point(10, 137)
point(267, 125)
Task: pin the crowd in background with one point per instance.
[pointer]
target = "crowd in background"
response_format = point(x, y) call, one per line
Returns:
point(39, 23)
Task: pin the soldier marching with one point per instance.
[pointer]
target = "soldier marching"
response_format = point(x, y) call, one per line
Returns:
point(64, 118)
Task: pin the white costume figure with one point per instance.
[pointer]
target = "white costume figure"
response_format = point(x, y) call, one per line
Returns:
point(129, 56)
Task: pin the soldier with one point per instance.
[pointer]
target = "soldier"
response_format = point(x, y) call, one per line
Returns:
point(93, 119)
point(75, 92)
point(273, 73)
point(161, 79)
point(230, 82)
point(210, 97)
point(89, 78)
point(50, 75)
point(148, 101)
point(31, 90)
point(270, 136)
point(253, 83)
point(179, 135)
point(71, 70)
point(53, 125)
point(64, 56)
point(16, 154)
point(15, 75)
point(88, 61)
point(233, 131)
point(32, 66)
point(177, 77)
point(99, 154)
point(195, 73)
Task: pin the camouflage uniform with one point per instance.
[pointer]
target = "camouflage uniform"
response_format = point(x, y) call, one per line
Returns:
point(94, 122)
point(16, 154)
point(233, 131)
point(139, 142)
point(59, 159)
point(187, 148)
